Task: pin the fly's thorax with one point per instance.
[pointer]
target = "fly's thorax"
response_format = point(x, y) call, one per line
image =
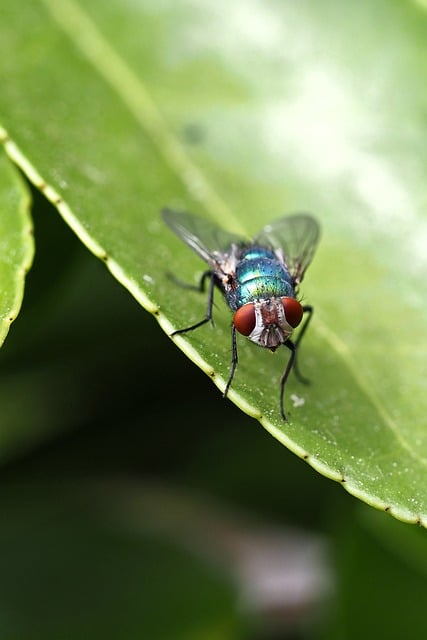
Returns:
point(254, 252)
point(269, 322)
point(259, 275)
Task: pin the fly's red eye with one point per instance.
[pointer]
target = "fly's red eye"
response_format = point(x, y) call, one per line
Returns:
point(293, 311)
point(244, 319)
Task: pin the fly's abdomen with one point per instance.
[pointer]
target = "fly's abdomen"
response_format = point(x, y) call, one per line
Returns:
point(259, 276)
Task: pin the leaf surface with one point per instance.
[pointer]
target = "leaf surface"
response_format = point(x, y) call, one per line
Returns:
point(16, 243)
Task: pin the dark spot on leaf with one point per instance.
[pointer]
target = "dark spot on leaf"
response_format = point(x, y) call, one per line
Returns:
point(193, 133)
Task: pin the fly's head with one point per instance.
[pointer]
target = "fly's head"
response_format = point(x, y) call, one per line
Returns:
point(268, 322)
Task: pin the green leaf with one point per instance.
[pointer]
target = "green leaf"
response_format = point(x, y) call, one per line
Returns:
point(241, 112)
point(16, 243)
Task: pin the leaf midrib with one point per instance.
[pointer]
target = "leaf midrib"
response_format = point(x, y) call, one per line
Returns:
point(84, 34)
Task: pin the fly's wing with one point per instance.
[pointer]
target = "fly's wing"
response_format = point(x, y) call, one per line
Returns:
point(296, 238)
point(209, 241)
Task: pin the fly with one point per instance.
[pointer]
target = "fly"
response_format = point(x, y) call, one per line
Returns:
point(259, 279)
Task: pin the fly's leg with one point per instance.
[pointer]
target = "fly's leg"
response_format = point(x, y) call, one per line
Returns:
point(308, 309)
point(291, 362)
point(201, 289)
point(234, 360)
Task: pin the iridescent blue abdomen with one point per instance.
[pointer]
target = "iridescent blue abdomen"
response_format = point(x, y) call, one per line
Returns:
point(259, 274)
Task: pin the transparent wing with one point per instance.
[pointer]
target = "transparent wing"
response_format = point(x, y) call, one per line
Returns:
point(296, 238)
point(209, 241)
